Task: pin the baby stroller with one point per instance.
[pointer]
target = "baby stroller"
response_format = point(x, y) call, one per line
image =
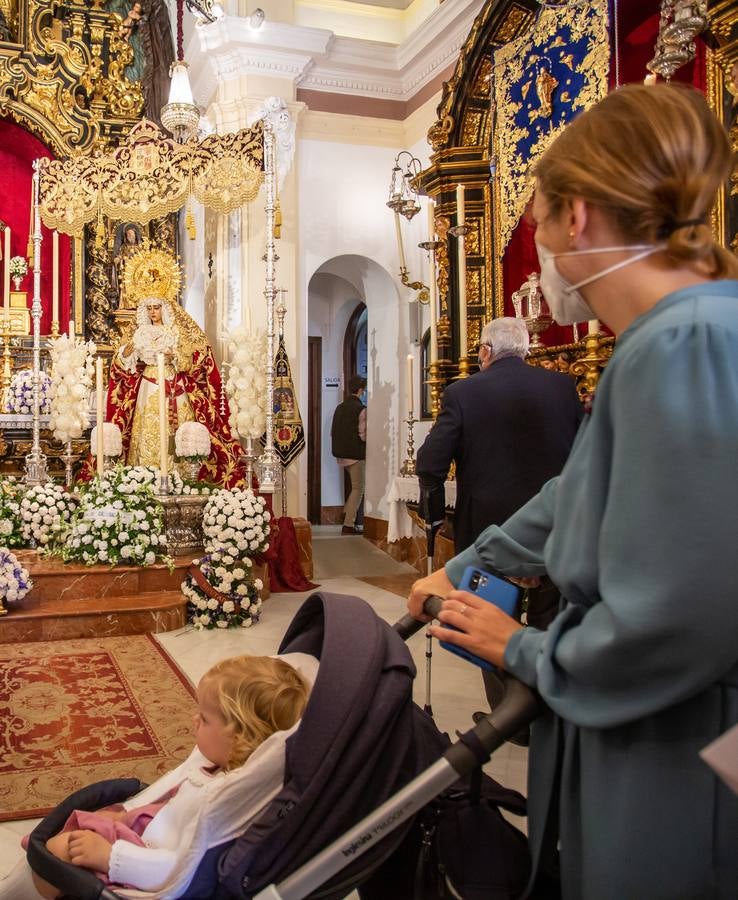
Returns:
point(361, 740)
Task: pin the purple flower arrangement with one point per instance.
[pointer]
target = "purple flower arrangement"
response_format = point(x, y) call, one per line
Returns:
point(20, 393)
point(15, 581)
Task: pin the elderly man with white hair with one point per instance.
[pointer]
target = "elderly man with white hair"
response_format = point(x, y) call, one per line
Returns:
point(509, 428)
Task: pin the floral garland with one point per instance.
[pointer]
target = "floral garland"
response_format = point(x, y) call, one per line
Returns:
point(222, 592)
point(11, 530)
point(20, 392)
point(236, 521)
point(44, 511)
point(119, 520)
point(72, 374)
point(15, 582)
point(246, 383)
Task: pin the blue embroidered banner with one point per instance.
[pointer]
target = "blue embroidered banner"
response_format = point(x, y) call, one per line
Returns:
point(541, 80)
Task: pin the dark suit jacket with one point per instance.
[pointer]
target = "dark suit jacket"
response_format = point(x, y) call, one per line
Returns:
point(510, 429)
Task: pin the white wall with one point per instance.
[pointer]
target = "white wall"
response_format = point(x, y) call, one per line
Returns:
point(347, 231)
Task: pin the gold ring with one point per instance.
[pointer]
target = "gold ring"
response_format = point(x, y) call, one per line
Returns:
point(463, 610)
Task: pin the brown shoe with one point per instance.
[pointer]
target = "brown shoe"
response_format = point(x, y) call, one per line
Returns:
point(349, 529)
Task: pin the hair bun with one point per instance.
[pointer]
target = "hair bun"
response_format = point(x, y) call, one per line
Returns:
point(689, 240)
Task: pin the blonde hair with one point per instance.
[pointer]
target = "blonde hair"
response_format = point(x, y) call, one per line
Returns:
point(652, 158)
point(256, 696)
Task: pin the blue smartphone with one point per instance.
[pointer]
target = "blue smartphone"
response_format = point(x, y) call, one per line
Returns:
point(492, 589)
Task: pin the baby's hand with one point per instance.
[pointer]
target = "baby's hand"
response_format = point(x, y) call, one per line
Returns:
point(88, 849)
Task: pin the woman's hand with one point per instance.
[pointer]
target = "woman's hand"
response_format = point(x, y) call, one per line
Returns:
point(484, 628)
point(89, 849)
point(128, 349)
point(437, 584)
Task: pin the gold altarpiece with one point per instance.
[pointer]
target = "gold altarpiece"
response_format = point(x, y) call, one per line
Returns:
point(462, 147)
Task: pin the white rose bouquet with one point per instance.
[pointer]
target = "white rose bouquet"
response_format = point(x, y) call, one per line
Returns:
point(222, 592)
point(20, 392)
point(15, 581)
point(246, 383)
point(118, 521)
point(72, 375)
point(11, 528)
point(17, 268)
point(192, 441)
point(236, 521)
point(112, 440)
point(45, 511)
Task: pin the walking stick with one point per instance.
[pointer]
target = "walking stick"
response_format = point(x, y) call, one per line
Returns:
point(433, 510)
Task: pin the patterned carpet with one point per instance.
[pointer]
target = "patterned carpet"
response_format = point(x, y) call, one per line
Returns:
point(75, 712)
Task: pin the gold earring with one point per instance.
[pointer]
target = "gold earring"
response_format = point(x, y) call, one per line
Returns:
point(571, 233)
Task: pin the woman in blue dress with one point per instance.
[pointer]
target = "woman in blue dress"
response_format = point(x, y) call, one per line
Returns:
point(639, 670)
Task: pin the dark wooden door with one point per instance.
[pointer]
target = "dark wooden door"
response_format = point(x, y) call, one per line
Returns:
point(314, 427)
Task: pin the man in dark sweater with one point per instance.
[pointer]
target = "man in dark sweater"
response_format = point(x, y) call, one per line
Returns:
point(348, 439)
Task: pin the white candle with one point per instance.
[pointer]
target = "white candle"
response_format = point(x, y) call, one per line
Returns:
point(410, 404)
point(461, 218)
point(400, 250)
point(460, 205)
point(6, 273)
point(100, 419)
point(163, 424)
point(593, 326)
point(55, 277)
point(432, 287)
point(71, 329)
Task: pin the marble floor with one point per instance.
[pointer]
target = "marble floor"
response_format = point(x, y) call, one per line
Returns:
point(343, 565)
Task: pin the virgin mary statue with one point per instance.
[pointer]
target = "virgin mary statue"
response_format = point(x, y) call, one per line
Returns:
point(193, 390)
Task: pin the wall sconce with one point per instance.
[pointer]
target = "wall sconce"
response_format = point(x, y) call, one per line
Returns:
point(680, 23)
point(256, 19)
point(403, 200)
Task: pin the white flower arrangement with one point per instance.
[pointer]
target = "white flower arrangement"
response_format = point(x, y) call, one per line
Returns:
point(72, 375)
point(11, 530)
point(236, 521)
point(246, 383)
point(15, 581)
point(45, 511)
point(18, 267)
point(177, 485)
point(20, 392)
point(119, 520)
point(192, 441)
point(222, 592)
point(112, 440)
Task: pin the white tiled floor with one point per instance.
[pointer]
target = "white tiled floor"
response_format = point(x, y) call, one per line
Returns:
point(456, 685)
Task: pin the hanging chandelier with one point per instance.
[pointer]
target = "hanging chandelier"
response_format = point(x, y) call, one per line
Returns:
point(180, 116)
point(403, 197)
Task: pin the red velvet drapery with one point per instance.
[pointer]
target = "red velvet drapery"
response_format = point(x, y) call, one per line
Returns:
point(18, 149)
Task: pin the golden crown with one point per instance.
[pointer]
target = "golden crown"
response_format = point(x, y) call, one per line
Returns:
point(151, 273)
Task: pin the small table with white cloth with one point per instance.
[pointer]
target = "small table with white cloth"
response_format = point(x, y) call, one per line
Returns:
point(406, 489)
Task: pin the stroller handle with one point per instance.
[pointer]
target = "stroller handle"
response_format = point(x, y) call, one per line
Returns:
point(408, 625)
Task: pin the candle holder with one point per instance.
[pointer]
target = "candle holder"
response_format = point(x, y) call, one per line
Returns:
point(463, 369)
point(249, 457)
point(163, 484)
point(55, 329)
point(589, 367)
point(436, 384)
point(430, 246)
point(459, 230)
point(7, 329)
point(68, 459)
point(422, 289)
point(408, 467)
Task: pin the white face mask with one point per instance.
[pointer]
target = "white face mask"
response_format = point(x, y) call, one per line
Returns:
point(564, 300)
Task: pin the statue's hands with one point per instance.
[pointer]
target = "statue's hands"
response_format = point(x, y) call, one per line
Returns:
point(128, 349)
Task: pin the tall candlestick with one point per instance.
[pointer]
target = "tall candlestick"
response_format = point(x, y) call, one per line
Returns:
point(100, 418)
point(432, 286)
point(398, 232)
point(55, 277)
point(6, 268)
point(409, 386)
point(163, 424)
point(461, 217)
point(593, 326)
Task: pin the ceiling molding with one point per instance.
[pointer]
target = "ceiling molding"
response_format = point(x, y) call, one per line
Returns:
point(316, 59)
